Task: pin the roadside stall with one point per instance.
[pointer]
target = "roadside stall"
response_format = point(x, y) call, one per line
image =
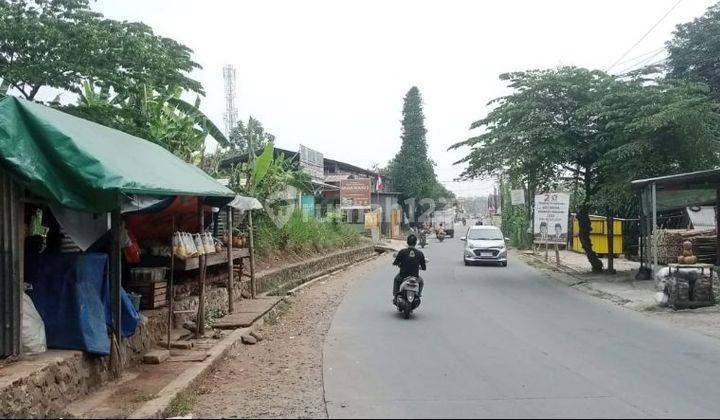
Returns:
point(690, 250)
point(86, 206)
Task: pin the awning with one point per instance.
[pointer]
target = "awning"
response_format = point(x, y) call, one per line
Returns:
point(245, 203)
point(85, 166)
point(322, 186)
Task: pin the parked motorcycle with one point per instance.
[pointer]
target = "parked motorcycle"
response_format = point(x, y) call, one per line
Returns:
point(408, 299)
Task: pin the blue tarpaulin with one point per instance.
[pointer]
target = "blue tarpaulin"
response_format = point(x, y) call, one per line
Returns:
point(72, 294)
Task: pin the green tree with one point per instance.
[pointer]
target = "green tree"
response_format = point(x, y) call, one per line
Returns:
point(244, 136)
point(411, 170)
point(543, 131)
point(572, 126)
point(63, 43)
point(694, 51)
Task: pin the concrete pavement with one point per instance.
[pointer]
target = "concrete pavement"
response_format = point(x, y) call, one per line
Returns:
point(509, 342)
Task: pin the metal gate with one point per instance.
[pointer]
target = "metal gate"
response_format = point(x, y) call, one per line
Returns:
point(10, 267)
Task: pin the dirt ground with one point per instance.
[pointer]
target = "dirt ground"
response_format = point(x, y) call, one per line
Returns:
point(281, 377)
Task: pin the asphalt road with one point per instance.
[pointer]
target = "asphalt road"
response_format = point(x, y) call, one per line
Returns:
point(509, 342)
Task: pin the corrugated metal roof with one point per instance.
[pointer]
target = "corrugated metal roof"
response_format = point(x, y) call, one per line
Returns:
point(702, 217)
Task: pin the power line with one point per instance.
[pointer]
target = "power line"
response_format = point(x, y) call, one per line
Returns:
point(641, 57)
point(644, 36)
point(644, 63)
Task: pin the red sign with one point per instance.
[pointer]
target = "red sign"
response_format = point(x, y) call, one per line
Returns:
point(355, 193)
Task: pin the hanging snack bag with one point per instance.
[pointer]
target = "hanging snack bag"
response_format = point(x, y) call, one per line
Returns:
point(190, 245)
point(199, 244)
point(177, 248)
point(208, 243)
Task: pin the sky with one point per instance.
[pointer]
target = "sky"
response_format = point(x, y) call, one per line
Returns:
point(332, 74)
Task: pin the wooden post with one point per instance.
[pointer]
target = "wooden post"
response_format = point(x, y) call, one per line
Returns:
point(171, 286)
point(557, 254)
point(610, 220)
point(116, 283)
point(546, 249)
point(201, 261)
point(231, 292)
point(653, 231)
point(253, 288)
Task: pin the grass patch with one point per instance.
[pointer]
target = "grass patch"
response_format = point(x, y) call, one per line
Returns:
point(182, 404)
point(303, 234)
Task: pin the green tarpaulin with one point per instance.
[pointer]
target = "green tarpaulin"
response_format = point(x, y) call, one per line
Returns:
point(86, 166)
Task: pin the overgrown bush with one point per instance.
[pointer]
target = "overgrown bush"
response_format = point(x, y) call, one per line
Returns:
point(303, 233)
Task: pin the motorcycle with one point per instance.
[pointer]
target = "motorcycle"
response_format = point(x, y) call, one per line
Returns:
point(408, 298)
point(441, 236)
point(422, 238)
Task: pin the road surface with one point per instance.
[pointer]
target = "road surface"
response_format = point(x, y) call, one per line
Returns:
point(509, 342)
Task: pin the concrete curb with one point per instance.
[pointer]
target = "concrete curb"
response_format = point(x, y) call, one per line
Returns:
point(320, 276)
point(157, 407)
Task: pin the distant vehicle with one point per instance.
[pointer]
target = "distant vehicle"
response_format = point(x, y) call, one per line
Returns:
point(446, 218)
point(485, 244)
point(441, 235)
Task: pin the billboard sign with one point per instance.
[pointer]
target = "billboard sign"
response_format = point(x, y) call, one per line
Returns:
point(551, 218)
point(355, 194)
point(312, 163)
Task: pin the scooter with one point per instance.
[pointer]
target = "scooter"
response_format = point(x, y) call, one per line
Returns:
point(408, 298)
point(441, 235)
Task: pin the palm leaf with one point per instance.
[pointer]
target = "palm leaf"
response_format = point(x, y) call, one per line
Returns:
point(202, 120)
point(262, 165)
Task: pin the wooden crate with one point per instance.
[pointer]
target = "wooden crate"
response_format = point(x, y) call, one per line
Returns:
point(154, 295)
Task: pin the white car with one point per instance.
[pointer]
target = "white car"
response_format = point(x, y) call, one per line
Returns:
point(485, 244)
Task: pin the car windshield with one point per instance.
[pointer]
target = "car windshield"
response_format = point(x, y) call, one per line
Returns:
point(485, 235)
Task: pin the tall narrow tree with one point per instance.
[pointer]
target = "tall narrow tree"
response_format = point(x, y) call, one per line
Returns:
point(411, 170)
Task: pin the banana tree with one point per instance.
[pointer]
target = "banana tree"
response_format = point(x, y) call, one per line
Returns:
point(158, 115)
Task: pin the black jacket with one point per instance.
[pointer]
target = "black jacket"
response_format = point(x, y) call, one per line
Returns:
point(410, 261)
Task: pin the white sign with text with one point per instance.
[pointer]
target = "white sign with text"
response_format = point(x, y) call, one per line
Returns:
point(551, 218)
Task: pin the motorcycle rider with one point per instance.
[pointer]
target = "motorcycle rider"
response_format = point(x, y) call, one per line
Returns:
point(410, 261)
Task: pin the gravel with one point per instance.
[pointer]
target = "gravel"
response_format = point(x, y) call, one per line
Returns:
point(281, 376)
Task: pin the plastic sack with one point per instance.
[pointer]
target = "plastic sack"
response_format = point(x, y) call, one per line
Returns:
point(33, 328)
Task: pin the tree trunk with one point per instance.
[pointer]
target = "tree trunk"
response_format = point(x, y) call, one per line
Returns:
point(530, 215)
point(584, 230)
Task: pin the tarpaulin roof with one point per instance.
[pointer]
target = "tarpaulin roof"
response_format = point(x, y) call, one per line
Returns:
point(86, 166)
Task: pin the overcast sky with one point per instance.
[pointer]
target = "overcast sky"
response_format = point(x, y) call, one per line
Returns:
point(332, 74)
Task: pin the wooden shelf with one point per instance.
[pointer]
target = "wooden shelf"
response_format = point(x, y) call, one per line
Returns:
point(190, 264)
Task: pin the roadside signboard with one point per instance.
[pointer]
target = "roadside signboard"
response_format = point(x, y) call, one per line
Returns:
point(355, 194)
point(312, 163)
point(517, 197)
point(551, 218)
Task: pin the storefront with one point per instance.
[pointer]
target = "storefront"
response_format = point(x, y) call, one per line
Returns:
point(88, 212)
